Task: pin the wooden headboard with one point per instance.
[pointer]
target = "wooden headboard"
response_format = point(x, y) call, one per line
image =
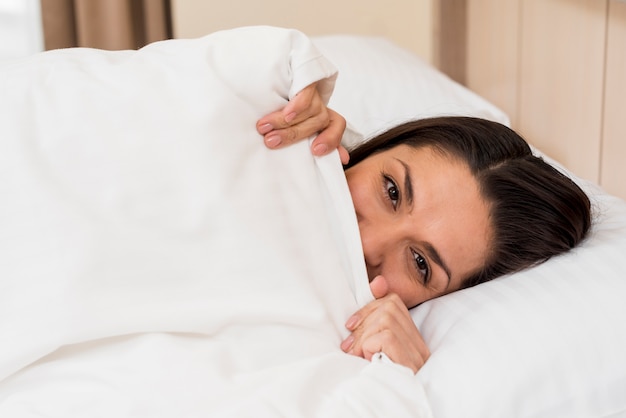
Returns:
point(557, 67)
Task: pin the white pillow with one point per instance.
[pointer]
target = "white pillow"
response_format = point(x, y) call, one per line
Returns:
point(547, 342)
point(380, 85)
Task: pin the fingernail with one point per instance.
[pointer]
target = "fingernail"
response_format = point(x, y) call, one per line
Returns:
point(320, 149)
point(347, 343)
point(290, 117)
point(352, 321)
point(273, 141)
point(263, 129)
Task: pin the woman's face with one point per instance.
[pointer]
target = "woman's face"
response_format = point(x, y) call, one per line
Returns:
point(424, 225)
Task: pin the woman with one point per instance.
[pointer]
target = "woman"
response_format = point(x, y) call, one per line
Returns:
point(442, 204)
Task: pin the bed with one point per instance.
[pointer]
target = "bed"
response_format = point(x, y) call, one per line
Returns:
point(123, 172)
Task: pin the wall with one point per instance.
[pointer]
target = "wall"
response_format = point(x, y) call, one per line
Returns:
point(557, 68)
point(613, 169)
point(407, 22)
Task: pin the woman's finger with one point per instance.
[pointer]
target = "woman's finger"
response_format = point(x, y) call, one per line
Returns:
point(385, 325)
point(344, 155)
point(279, 138)
point(379, 287)
point(304, 105)
point(380, 314)
point(305, 101)
point(304, 116)
point(330, 138)
point(396, 349)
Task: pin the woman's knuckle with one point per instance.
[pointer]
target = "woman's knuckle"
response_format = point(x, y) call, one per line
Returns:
point(388, 336)
point(293, 133)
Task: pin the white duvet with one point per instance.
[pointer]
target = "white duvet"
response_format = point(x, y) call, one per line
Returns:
point(156, 260)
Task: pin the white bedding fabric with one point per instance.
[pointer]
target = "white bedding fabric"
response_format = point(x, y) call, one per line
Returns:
point(106, 227)
point(157, 260)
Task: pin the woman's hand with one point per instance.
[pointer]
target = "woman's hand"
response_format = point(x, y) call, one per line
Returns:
point(385, 325)
point(305, 115)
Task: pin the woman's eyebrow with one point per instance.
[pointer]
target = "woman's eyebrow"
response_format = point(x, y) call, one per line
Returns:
point(408, 186)
point(436, 257)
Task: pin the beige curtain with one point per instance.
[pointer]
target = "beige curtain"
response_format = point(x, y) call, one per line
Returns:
point(104, 24)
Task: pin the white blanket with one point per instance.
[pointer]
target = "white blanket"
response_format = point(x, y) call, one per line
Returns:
point(156, 260)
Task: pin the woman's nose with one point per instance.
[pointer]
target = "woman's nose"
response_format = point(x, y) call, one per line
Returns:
point(375, 240)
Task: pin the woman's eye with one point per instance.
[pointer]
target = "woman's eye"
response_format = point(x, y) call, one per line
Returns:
point(392, 191)
point(421, 265)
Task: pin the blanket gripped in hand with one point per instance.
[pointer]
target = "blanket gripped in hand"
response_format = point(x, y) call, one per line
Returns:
point(157, 260)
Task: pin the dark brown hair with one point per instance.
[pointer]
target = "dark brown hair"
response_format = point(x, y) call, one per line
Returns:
point(536, 211)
